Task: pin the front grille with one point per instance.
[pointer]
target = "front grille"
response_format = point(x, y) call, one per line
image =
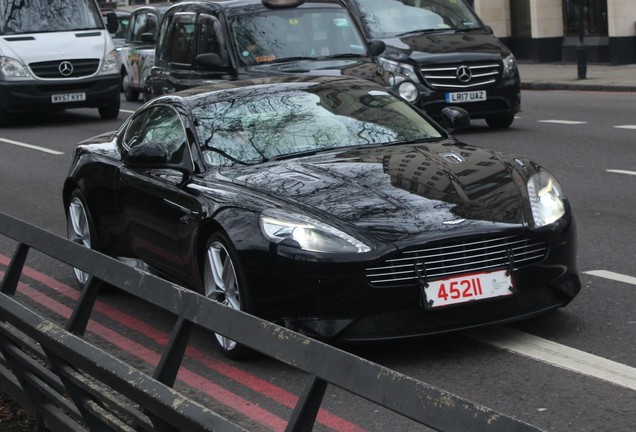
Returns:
point(51, 69)
point(446, 77)
point(456, 257)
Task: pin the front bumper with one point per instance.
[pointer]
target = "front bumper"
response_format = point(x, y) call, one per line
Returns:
point(336, 302)
point(23, 96)
point(503, 99)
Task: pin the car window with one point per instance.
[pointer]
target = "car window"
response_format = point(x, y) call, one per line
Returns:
point(286, 33)
point(159, 125)
point(258, 127)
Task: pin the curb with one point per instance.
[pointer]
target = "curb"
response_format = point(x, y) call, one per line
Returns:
point(578, 87)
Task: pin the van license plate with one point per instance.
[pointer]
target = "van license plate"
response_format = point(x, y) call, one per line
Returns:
point(68, 97)
point(469, 287)
point(466, 97)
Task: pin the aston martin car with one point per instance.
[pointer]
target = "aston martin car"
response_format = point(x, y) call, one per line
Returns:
point(327, 205)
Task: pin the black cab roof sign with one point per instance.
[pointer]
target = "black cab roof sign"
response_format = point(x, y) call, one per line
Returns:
point(282, 3)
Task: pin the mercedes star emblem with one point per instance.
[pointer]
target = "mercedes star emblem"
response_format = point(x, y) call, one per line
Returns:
point(65, 68)
point(464, 74)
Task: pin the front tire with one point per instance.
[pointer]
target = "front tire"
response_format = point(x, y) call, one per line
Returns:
point(110, 111)
point(130, 94)
point(224, 282)
point(500, 122)
point(79, 230)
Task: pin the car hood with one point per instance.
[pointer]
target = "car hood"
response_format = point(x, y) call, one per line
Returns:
point(40, 47)
point(398, 193)
point(356, 67)
point(446, 47)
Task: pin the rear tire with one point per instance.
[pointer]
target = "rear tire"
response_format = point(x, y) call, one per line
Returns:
point(224, 282)
point(130, 94)
point(500, 122)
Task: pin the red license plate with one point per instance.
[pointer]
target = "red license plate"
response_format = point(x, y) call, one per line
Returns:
point(465, 288)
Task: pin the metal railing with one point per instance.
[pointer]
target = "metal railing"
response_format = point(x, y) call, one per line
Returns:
point(68, 384)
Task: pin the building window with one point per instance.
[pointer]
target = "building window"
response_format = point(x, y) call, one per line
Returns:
point(594, 17)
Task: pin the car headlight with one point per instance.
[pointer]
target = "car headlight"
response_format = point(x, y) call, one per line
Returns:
point(308, 233)
point(546, 199)
point(111, 62)
point(408, 91)
point(398, 68)
point(11, 68)
point(509, 66)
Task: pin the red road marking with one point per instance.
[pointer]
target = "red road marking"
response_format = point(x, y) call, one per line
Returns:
point(221, 394)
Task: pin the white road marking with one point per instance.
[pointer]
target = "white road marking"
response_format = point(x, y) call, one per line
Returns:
point(621, 172)
point(613, 276)
point(563, 122)
point(127, 111)
point(31, 146)
point(557, 355)
point(625, 127)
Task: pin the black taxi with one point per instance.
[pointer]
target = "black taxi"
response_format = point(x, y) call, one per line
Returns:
point(206, 42)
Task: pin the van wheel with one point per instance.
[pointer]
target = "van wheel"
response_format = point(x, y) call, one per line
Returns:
point(4, 117)
point(500, 122)
point(131, 95)
point(110, 111)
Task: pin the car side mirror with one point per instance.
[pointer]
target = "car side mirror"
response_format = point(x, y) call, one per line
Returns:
point(112, 23)
point(455, 119)
point(212, 62)
point(376, 47)
point(146, 155)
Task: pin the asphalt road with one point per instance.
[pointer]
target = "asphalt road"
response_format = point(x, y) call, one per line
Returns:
point(573, 370)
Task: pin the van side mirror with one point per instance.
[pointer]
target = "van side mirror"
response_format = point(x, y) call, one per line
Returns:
point(455, 119)
point(112, 23)
point(376, 47)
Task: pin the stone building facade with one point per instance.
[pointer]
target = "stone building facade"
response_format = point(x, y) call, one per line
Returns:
point(550, 30)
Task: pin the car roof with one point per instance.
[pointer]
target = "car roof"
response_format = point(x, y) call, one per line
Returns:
point(230, 5)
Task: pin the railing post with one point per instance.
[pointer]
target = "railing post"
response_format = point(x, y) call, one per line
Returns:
point(12, 276)
point(304, 416)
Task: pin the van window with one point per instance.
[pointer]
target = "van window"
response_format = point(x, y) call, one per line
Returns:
point(19, 16)
point(395, 17)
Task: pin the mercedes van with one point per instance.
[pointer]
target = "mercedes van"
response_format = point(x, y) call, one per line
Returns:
point(448, 53)
point(57, 54)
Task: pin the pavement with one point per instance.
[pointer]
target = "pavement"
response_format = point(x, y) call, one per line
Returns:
point(565, 76)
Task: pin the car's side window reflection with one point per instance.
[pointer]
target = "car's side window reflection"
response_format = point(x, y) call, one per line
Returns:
point(159, 125)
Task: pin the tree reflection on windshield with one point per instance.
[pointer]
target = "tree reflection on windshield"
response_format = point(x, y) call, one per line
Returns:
point(261, 126)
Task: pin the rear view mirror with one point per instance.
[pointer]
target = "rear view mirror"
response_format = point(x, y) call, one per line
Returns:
point(212, 62)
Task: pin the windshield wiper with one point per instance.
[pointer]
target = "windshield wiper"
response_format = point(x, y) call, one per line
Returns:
point(227, 156)
point(342, 55)
point(291, 59)
point(423, 31)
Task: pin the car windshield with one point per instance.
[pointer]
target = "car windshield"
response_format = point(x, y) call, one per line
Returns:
point(40, 16)
point(388, 18)
point(262, 125)
point(280, 34)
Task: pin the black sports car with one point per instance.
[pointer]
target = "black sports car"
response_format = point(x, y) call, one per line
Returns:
point(327, 205)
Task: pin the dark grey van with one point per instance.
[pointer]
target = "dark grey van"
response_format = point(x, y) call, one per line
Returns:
point(212, 41)
point(448, 53)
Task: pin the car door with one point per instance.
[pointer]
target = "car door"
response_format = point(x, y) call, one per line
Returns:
point(148, 196)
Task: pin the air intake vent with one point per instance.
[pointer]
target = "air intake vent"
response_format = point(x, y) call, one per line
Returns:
point(461, 76)
point(59, 69)
point(464, 256)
